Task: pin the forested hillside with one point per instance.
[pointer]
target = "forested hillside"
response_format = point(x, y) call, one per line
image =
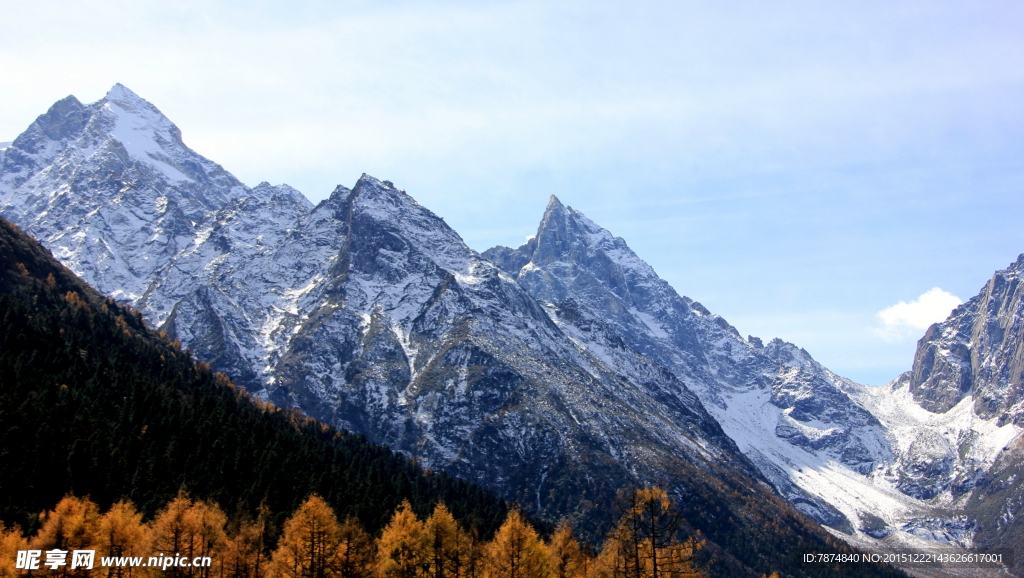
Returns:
point(95, 404)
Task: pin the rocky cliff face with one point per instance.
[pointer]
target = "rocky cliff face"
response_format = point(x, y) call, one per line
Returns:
point(369, 312)
point(111, 189)
point(968, 372)
point(770, 399)
point(977, 351)
point(884, 466)
point(554, 372)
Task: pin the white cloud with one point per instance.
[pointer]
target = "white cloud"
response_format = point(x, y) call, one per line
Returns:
point(904, 320)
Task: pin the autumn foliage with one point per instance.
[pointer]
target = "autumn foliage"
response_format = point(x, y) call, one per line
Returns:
point(312, 543)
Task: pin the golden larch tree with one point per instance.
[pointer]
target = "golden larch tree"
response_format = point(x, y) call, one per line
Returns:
point(191, 530)
point(246, 551)
point(308, 547)
point(565, 558)
point(448, 545)
point(122, 534)
point(618, 556)
point(11, 541)
point(356, 553)
point(516, 551)
point(645, 542)
point(402, 550)
point(72, 525)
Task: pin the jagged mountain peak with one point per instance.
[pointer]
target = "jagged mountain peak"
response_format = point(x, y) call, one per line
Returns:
point(123, 98)
point(269, 192)
point(387, 209)
point(788, 354)
point(122, 94)
point(1018, 265)
point(373, 192)
point(65, 119)
point(111, 188)
point(773, 399)
point(978, 351)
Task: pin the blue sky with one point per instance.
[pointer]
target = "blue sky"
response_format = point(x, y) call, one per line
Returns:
point(798, 167)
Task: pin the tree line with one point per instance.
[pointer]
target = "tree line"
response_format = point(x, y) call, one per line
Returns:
point(94, 403)
point(314, 543)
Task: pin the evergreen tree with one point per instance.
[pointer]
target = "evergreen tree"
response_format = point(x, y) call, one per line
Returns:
point(94, 403)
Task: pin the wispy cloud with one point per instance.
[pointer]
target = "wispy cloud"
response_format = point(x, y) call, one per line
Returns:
point(905, 320)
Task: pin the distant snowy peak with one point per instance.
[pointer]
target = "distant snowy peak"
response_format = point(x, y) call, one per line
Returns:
point(114, 192)
point(151, 138)
point(283, 193)
point(573, 257)
point(978, 350)
point(121, 137)
point(779, 405)
point(44, 139)
point(569, 243)
point(388, 214)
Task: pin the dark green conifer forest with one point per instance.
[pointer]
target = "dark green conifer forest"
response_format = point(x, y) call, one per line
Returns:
point(95, 404)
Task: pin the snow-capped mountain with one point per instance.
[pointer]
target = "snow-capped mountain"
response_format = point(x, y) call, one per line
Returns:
point(145, 190)
point(555, 372)
point(884, 466)
point(959, 413)
point(782, 408)
point(369, 312)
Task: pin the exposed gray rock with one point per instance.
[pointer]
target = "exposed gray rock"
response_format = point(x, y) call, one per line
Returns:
point(571, 257)
point(366, 311)
point(979, 350)
point(564, 372)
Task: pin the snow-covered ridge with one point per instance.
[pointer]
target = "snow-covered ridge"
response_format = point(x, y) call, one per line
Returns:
point(370, 312)
point(367, 310)
point(870, 463)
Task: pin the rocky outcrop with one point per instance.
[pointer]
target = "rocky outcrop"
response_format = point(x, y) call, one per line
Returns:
point(554, 372)
point(798, 402)
point(978, 350)
point(369, 312)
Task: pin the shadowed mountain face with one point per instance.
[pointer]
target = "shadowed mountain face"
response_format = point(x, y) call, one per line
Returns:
point(772, 400)
point(94, 403)
point(369, 312)
point(897, 465)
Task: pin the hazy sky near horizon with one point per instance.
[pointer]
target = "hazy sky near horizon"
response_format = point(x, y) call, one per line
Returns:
point(835, 175)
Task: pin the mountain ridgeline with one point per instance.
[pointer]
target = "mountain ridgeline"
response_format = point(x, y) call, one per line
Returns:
point(370, 313)
point(95, 404)
point(554, 373)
